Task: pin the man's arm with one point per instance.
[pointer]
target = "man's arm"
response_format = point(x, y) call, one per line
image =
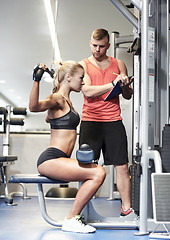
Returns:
point(127, 90)
point(93, 91)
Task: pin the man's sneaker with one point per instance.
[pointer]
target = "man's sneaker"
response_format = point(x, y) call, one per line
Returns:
point(76, 224)
point(124, 213)
point(128, 215)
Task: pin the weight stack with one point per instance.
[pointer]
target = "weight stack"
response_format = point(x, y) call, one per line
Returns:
point(165, 150)
point(135, 188)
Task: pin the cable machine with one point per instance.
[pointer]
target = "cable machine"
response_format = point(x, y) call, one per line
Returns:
point(151, 92)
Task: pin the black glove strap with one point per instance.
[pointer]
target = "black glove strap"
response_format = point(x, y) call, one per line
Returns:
point(37, 74)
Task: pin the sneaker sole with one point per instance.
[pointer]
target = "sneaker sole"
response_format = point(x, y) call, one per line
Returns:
point(78, 231)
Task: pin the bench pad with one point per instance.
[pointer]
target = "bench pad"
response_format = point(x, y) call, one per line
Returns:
point(33, 178)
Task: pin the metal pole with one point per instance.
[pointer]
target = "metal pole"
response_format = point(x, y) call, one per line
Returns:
point(144, 118)
point(124, 39)
point(7, 132)
point(137, 4)
point(122, 8)
point(113, 46)
point(167, 59)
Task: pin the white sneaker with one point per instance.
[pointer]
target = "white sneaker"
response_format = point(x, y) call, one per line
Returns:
point(75, 224)
point(128, 215)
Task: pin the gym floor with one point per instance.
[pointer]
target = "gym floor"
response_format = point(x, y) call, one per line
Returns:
point(24, 221)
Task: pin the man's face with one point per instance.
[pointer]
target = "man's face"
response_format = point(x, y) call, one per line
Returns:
point(99, 48)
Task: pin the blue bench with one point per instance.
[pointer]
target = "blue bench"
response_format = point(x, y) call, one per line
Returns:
point(84, 155)
point(39, 180)
point(91, 216)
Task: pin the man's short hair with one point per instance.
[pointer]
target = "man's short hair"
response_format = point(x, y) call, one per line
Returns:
point(100, 33)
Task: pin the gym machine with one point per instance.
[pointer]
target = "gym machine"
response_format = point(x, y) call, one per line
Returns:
point(151, 95)
point(6, 159)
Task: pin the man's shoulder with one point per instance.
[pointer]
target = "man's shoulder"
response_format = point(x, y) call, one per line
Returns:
point(83, 62)
point(113, 59)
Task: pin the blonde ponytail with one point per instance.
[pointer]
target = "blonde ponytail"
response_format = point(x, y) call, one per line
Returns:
point(61, 69)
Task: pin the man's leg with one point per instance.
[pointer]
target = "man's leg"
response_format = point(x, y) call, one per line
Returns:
point(123, 185)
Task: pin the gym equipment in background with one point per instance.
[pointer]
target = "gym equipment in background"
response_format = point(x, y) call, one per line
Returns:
point(161, 208)
point(5, 158)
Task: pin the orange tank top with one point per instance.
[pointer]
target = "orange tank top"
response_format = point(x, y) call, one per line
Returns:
point(95, 109)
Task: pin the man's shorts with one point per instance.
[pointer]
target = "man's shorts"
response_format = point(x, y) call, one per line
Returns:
point(110, 137)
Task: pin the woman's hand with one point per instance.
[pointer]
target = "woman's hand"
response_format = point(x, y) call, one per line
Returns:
point(39, 70)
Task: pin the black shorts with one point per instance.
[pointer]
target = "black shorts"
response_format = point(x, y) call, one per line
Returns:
point(50, 153)
point(110, 137)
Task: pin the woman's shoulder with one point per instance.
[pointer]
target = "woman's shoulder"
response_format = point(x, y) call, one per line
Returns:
point(57, 98)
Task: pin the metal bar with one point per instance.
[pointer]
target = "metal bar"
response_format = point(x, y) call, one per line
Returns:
point(113, 37)
point(43, 210)
point(7, 132)
point(144, 118)
point(136, 103)
point(167, 59)
point(124, 39)
point(164, 62)
point(137, 4)
point(157, 139)
point(111, 169)
point(100, 221)
point(123, 9)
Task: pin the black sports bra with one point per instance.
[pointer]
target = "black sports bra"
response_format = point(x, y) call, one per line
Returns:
point(69, 121)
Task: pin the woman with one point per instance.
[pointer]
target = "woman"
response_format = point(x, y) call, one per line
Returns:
point(55, 161)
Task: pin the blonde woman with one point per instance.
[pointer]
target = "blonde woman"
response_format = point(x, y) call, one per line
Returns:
point(56, 162)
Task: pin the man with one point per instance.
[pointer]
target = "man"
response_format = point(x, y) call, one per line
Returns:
point(101, 125)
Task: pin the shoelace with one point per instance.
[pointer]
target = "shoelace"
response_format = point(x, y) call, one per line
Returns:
point(80, 219)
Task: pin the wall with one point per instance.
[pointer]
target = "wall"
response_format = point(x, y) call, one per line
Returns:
point(78, 18)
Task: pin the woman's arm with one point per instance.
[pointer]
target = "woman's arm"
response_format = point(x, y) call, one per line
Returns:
point(34, 104)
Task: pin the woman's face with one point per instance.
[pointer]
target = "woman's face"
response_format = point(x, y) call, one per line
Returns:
point(76, 81)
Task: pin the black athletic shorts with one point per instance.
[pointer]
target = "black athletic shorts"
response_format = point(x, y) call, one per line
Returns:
point(110, 137)
point(50, 153)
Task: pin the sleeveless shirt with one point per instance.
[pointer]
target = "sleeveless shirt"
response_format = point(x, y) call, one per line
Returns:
point(95, 109)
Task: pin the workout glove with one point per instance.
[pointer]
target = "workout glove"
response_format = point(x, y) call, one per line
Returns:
point(37, 73)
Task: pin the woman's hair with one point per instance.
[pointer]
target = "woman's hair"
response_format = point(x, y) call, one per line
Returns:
point(100, 33)
point(61, 69)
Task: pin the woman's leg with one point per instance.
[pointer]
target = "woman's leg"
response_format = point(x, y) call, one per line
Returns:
point(71, 170)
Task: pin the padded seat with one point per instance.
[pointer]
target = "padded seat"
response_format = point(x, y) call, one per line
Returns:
point(33, 178)
point(88, 212)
